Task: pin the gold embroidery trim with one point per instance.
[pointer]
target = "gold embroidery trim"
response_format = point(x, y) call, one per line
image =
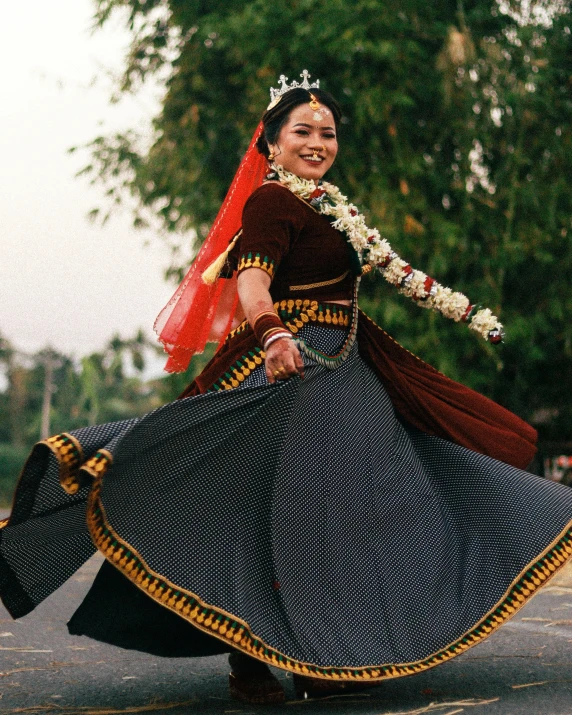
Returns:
point(295, 314)
point(331, 282)
point(307, 311)
point(69, 454)
point(248, 261)
point(231, 629)
point(97, 465)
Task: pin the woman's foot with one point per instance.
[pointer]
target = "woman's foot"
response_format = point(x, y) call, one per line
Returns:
point(252, 682)
point(307, 687)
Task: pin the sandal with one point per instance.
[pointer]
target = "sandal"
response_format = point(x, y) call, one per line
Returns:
point(251, 681)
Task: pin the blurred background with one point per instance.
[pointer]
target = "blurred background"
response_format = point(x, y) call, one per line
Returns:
point(124, 121)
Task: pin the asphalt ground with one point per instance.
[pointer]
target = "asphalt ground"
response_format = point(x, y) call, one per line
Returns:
point(524, 668)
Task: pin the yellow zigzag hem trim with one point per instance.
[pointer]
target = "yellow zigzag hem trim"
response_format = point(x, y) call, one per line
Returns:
point(236, 632)
point(69, 454)
point(67, 450)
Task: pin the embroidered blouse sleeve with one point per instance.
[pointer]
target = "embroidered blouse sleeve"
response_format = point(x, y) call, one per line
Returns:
point(270, 225)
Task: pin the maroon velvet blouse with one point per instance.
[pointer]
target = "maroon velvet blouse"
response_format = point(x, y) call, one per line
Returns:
point(295, 245)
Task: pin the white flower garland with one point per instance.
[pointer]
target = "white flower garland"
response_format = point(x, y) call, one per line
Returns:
point(375, 252)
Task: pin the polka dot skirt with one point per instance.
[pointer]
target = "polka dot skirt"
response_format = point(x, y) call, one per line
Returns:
point(306, 511)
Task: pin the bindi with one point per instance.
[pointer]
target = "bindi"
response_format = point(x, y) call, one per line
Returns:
point(320, 113)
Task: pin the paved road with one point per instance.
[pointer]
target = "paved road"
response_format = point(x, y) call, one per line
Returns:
point(522, 669)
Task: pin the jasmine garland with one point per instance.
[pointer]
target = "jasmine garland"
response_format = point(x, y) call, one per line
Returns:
point(375, 252)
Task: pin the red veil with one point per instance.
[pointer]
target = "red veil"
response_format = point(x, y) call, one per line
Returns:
point(199, 313)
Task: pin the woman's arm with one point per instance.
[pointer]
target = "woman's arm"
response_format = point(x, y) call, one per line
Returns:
point(282, 355)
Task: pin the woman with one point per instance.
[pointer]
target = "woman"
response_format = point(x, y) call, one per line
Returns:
point(320, 499)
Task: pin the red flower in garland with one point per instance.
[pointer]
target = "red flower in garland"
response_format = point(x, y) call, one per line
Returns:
point(428, 284)
point(467, 313)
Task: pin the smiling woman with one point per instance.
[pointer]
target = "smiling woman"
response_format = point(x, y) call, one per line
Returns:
point(319, 499)
point(300, 137)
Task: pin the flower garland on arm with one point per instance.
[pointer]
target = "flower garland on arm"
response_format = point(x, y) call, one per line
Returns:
point(375, 252)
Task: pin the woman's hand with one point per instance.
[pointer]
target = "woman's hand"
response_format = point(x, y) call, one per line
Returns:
point(283, 360)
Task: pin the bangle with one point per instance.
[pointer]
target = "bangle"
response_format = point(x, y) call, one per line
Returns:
point(266, 324)
point(264, 337)
point(275, 337)
point(259, 315)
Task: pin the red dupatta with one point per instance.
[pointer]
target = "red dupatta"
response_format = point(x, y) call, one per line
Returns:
point(199, 313)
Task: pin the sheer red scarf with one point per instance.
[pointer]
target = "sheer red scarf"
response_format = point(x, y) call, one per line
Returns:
point(199, 313)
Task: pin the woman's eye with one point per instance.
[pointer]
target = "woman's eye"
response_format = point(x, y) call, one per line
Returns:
point(302, 132)
point(329, 136)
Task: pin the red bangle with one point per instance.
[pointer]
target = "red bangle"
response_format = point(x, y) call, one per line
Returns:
point(259, 315)
point(266, 322)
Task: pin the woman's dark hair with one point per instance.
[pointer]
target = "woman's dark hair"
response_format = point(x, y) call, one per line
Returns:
point(274, 119)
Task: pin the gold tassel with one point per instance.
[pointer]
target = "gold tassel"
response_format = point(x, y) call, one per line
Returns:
point(211, 274)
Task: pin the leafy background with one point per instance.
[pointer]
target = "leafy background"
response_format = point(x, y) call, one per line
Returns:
point(455, 142)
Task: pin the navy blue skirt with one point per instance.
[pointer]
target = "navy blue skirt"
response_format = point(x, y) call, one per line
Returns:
point(302, 523)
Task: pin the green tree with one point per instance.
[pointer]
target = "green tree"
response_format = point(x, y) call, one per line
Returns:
point(104, 386)
point(455, 139)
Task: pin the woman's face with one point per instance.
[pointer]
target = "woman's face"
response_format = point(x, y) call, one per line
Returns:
point(307, 143)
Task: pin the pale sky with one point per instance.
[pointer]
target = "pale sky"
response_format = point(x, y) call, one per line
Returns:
point(64, 281)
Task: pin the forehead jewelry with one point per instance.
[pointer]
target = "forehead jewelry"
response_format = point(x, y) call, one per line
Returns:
point(277, 92)
point(319, 112)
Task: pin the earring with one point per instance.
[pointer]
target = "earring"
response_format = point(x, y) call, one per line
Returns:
point(271, 156)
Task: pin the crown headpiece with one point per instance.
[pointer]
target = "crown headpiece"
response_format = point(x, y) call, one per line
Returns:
point(276, 93)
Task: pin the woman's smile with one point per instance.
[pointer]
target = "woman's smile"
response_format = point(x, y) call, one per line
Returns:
point(305, 146)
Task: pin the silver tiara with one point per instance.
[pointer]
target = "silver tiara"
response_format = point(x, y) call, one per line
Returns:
point(276, 94)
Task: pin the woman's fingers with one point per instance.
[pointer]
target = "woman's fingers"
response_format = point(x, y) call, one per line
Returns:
point(299, 363)
point(283, 360)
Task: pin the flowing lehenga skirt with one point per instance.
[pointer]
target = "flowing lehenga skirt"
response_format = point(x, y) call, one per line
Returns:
point(303, 523)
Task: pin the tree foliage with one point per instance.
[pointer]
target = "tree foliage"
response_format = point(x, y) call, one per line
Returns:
point(103, 386)
point(455, 140)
